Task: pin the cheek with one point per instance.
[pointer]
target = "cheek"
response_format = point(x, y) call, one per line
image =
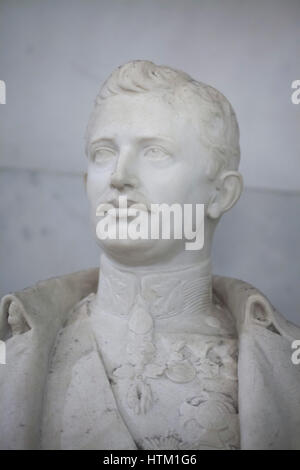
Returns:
point(181, 186)
point(97, 183)
point(164, 184)
point(94, 192)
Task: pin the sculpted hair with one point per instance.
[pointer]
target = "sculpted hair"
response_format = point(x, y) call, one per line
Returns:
point(218, 127)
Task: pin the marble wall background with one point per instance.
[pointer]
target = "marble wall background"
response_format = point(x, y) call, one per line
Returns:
point(53, 57)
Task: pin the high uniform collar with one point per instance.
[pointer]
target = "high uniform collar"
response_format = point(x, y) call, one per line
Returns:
point(164, 293)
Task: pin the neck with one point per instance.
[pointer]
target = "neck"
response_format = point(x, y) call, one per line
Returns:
point(163, 292)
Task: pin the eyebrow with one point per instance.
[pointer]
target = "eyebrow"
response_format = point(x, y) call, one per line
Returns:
point(155, 138)
point(142, 139)
point(102, 140)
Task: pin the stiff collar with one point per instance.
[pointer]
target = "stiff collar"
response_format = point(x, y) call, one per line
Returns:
point(166, 293)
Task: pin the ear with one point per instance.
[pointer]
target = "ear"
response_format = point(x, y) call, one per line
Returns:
point(229, 189)
point(85, 180)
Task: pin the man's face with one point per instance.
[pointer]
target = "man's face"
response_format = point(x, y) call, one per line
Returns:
point(149, 150)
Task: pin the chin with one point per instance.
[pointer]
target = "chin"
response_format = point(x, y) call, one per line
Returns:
point(137, 252)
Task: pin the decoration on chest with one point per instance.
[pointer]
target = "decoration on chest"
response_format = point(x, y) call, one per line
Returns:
point(178, 358)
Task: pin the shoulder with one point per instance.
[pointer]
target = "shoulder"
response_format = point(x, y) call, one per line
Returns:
point(249, 306)
point(46, 305)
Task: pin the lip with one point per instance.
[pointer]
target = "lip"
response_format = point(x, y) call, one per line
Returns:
point(121, 212)
point(141, 206)
point(128, 210)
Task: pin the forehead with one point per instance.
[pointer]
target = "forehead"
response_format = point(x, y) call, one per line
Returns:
point(141, 114)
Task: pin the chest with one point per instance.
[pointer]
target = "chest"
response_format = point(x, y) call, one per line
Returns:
point(175, 391)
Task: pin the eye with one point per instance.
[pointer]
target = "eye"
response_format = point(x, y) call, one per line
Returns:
point(103, 155)
point(156, 153)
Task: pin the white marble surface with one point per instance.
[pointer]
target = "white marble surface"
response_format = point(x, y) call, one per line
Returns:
point(171, 351)
point(55, 58)
point(45, 231)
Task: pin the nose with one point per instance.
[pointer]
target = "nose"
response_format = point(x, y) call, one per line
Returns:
point(124, 174)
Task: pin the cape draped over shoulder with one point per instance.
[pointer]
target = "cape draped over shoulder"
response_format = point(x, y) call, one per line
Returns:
point(269, 383)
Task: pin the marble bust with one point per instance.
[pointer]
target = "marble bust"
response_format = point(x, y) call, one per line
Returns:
point(151, 351)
